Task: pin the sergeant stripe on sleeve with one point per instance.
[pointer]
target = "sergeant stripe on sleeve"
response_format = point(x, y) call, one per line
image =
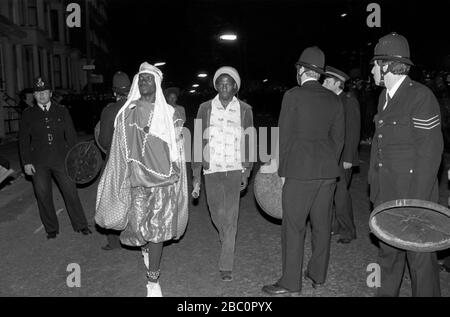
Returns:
point(427, 124)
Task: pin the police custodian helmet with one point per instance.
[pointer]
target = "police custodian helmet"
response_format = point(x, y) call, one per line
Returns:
point(312, 58)
point(392, 47)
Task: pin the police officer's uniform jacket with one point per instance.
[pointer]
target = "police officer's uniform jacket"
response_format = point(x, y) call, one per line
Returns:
point(46, 136)
point(407, 145)
point(312, 128)
point(352, 129)
point(107, 119)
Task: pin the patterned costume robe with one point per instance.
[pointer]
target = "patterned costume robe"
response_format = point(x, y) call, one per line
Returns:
point(156, 209)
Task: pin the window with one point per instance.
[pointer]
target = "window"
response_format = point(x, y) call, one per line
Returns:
point(28, 66)
point(46, 18)
point(11, 11)
point(54, 24)
point(49, 66)
point(32, 13)
point(57, 75)
point(41, 62)
point(21, 12)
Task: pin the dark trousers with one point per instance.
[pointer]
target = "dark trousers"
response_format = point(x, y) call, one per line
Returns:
point(301, 199)
point(343, 222)
point(423, 267)
point(113, 238)
point(223, 195)
point(42, 182)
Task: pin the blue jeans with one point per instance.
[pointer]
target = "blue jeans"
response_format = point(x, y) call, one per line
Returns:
point(223, 195)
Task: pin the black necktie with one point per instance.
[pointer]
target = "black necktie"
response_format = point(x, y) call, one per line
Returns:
point(45, 108)
point(388, 99)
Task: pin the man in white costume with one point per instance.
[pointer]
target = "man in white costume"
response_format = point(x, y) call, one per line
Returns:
point(143, 190)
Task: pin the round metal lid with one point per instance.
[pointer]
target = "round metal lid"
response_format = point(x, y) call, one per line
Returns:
point(412, 224)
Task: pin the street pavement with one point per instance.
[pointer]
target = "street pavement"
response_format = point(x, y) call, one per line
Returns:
point(31, 265)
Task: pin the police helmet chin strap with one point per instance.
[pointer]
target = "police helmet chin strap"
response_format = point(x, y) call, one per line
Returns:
point(383, 73)
point(299, 76)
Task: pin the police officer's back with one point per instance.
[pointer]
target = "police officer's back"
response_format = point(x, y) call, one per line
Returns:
point(121, 86)
point(311, 139)
point(311, 132)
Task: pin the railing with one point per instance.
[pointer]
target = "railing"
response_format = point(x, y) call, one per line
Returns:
point(13, 113)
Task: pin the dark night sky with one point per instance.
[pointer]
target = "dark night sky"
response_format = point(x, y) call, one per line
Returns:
point(272, 34)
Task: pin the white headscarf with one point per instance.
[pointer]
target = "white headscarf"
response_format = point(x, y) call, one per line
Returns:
point(162, 121)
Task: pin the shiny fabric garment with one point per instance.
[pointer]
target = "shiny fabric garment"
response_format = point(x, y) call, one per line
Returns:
point(151, 217)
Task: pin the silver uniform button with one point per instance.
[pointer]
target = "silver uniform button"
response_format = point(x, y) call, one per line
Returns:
point(394, 123)
point(380, 164)
point(380, 122)
point(411, 171)
point(380, 136)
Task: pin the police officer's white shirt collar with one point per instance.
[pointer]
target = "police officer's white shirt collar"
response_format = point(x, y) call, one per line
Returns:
point(339, 92)
point(42, 106)
point(394, 88)
point(308, 79)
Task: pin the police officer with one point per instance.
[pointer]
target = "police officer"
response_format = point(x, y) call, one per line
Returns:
point(46, 135)
point(343, 223)
point(121, 87)
point(405, 157)
point(311, 138)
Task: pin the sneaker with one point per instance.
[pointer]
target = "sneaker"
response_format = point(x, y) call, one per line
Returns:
point(226, 276)
point(154, 289)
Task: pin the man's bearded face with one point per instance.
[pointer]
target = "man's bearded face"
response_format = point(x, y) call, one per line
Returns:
point(146, 84)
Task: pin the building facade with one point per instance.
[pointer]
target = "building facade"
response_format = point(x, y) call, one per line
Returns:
point(35, 41)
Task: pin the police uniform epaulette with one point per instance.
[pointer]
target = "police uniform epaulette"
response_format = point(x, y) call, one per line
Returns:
point(418, 86)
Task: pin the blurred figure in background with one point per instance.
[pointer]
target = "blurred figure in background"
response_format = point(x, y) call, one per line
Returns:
point(121, 87)
point(171, 94)
point(343, 222)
